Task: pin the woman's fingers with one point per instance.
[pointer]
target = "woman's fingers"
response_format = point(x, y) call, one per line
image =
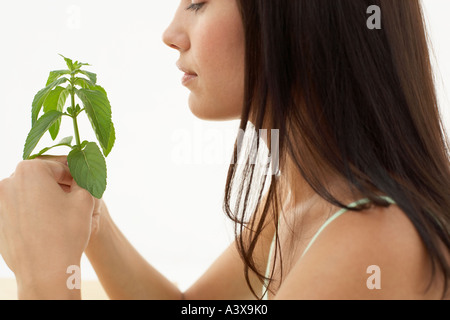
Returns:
point(39, 173)
point(62, 159)
point(60, 172)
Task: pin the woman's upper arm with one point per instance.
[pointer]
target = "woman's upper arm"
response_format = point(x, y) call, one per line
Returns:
point(224, 280)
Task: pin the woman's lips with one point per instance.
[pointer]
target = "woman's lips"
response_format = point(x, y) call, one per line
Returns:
point(187, 78)
point(188, 74)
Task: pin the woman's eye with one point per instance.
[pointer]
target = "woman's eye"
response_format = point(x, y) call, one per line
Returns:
point(195, 6)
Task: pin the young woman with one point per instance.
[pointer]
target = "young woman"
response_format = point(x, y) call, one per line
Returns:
point(360, 205)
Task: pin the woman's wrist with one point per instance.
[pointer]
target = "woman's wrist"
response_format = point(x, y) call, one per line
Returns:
point(56, 282)
point(100, 236)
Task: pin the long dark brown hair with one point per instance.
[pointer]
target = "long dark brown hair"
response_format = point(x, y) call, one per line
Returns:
point(345, 98)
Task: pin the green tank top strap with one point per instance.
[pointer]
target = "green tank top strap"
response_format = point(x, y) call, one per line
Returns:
point(339, 213)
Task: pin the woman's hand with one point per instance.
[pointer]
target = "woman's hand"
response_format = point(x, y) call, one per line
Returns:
point(45, 225)
point(100, 208)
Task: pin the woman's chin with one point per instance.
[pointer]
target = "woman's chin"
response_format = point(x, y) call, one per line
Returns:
point(208, 113)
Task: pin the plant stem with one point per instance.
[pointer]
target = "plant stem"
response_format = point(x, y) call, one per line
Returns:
point(77, 133)
point(74, 117)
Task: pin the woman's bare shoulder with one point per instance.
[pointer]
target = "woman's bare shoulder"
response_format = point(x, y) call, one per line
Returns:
point(373, 254)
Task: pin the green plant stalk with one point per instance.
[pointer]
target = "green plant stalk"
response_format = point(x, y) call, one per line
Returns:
point(77, 133)
point(74, 116)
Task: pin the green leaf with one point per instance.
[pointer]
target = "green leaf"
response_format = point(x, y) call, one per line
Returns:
point(112, 140)
point(77, 109)
point(84, 144)
point(112, 137)
point(67, 141)
point(84, 83)
point(77, 65)
point(69, 63)
point(99, 88)
point(56, 101)
point(41, 96)
point(62, 99)
point(51, 102)
point(64, 142)
point(88, 168)
point(55, 75)
point(90, 75)
point(38, 130)
point(98, 109)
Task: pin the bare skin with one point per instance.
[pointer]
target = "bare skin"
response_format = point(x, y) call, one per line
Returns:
point(211, 46)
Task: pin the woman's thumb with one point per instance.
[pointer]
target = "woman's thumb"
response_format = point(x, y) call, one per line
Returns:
point(82, 195)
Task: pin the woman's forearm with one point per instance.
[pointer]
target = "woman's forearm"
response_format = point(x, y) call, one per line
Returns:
point(122, 271)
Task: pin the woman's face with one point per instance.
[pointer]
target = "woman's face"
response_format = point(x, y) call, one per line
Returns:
point(210, 38)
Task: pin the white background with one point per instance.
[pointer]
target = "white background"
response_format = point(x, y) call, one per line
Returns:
point(167, 171)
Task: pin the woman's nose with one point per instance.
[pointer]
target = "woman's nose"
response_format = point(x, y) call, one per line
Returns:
point(175, 36)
